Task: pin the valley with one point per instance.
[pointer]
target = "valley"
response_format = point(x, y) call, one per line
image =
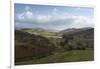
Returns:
point(36, 46)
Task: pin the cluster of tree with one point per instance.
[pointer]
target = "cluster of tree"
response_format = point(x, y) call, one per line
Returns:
point(79, 40)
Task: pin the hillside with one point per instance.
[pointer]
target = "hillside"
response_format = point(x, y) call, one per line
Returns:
point(79, 39)
point(34, 48)
point(82, 31)
point(29, 45)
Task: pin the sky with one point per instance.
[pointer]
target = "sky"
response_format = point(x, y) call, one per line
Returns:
point(52, 17)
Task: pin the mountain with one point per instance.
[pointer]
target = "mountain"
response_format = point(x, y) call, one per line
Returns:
point(73, 30)
point(79, 39)
point(80, 31)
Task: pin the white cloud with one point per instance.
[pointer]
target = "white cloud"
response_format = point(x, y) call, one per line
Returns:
point(20, 16)
point(43, 18)
point(27, 15)
point(82, 21)
point(55, 11)
point(54, 18)
point(27, 8)
point(78, 8)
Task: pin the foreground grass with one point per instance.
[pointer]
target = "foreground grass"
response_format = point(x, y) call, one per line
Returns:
point(65, 56)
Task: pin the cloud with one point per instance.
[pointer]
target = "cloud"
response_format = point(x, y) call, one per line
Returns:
point(78, 8)
point(82, 21)
point(43, 18)
point(54, 20)
point(27, 8)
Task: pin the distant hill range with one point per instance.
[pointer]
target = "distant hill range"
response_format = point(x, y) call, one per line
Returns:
point(68, 31)
point(75, 31)
point(37, 29)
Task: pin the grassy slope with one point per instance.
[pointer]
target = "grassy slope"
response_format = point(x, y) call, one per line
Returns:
point(70, 56)
point(43, 33)
point(46, 33)
point(57, 57)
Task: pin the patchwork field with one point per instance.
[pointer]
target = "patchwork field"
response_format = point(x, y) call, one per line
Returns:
point(32, 48)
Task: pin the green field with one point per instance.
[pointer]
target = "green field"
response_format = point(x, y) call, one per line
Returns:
point(65, 56)
point(43, 33)
point(34, 47)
